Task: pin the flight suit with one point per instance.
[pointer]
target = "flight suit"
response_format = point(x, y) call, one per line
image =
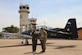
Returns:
point(34, 40)
point(43, 39)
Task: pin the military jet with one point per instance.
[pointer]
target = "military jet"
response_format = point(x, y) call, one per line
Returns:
point(69, 32)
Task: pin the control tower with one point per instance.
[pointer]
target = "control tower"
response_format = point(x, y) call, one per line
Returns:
point(24, 12)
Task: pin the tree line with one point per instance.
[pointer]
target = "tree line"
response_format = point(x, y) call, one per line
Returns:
point(11, 29)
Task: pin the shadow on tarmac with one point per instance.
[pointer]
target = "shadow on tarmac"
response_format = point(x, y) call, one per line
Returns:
point(62, 47)
point(33, 53)
point(12, 46)
point(20, 45)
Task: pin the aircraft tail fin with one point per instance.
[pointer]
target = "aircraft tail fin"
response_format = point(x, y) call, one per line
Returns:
point(71, 27)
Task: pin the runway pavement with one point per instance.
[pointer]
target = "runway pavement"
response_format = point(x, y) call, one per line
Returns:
point(54, 47)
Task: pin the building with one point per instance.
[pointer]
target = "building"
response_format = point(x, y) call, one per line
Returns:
point(25, 22)
point(32, 23)
point(79, 30)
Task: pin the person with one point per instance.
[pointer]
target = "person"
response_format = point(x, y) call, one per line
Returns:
point(34, 39)
point(43, 39)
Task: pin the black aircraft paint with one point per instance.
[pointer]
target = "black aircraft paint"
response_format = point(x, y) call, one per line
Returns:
point(69, 32)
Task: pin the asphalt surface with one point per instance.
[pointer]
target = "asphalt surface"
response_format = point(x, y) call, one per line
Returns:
point(53, 47)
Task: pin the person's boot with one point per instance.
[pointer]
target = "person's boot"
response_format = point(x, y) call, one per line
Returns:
point(42, 51)
point(34, 51)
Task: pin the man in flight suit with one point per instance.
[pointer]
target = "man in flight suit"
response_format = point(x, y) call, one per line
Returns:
point(34, 39)
point(43, 39)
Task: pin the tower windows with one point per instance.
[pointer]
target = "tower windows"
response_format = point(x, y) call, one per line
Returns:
point(27, 7)
point(32, 20)
point(23, 7)
point(20, 7)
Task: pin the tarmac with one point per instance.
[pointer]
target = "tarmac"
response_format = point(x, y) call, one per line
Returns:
point(53, 47)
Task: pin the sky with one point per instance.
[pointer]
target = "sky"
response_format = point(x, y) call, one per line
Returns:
point(52, 13)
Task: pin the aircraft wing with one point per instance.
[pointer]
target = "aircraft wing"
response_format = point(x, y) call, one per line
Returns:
point(26, 36)
point(63, 32)
point(17, 34)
